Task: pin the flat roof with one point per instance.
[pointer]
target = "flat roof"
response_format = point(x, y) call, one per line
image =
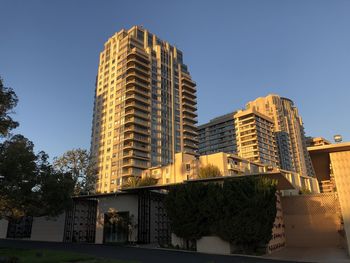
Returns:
point(335, 147)
point(282, 184)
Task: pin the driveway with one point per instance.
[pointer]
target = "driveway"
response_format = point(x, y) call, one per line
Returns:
point(143, 255)
point(324, 255)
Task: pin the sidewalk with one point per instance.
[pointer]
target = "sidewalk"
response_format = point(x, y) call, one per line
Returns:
point(329, 255)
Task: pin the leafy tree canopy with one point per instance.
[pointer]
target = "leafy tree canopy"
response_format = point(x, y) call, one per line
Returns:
point(29, 186)
point(135, 181)
point(240, 211)
point(209, 171)
point(79, 164)
point(8, 101)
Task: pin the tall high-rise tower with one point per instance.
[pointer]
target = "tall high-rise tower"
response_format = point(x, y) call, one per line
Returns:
point(289, 132)
point(255, 137)
point(145, 107)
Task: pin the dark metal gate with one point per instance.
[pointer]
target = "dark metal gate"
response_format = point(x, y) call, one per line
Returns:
point(80, 223)
point(153, 223)
point(20, 228)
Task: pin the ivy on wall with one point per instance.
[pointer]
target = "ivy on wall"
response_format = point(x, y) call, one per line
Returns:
point(240, 211)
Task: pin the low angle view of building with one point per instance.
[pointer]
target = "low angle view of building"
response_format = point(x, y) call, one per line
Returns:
point(145, 107)
point(289, 132)
point(161, 131)
point(255, 138)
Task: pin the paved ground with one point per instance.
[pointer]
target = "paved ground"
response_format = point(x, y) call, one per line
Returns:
point(329, 255)
point(143, 255)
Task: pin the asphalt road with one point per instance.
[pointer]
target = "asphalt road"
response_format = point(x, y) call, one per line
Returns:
point(142, 255)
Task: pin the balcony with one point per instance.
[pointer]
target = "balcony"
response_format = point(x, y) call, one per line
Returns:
point(236, 167)
point(134, 105)
point(136, 113)
point(186, 86)
point(140, 122)
point(136, 146)
point(189, 125)
point(190, 132)
point(187, 79)
point(189, 119)
point(187, 105)
point(138, 55)
point(135, 163)
point(136, 90)
point(132, 81)
point(186, 93)
point(189, 100)
point(189, 113)
point(190, 145)
point(134, 137)
point(136, 155)
point(136, 129)
point(138, 98)
point(140, 75)
point(190, 139)
point(131, 66)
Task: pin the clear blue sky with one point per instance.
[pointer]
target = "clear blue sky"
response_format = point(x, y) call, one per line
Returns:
point(236, 51)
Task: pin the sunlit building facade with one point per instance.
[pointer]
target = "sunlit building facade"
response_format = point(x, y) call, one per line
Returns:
point(255, 138)
point(145, 107)
point(289, 132)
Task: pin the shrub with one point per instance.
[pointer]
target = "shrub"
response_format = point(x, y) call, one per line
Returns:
point(241, 211)
point(209, 171)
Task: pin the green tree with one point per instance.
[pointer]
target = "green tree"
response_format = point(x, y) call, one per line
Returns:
point(8, 101)
point(29, 186)
point(79, 164)
point(187, 208)
point(241, 211)
point(135, 181)
point(209, 171)
point(248, 213)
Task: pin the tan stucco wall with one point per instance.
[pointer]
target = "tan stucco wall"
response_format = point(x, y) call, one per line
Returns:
point(341, 171)
point(217, 159)
point(3, 228)
point(312, 221)
point(119, 203)
point(48, 229)
point(320, 162)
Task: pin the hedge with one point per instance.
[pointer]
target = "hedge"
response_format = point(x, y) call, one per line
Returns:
point(241, 211)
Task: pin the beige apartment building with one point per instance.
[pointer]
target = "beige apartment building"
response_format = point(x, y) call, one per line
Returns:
point(145, 107)
point(255, 137)
point(316, 141)
point(289, 132)
point(186, 168)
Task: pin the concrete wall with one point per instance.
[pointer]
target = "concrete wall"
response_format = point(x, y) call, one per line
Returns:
point(312, 221)
point(118, 203)
point(3, 228)
point(214, 245)
point(48, 229)
point(341, 171)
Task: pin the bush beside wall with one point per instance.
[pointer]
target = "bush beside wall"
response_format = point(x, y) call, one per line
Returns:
point(240, 211)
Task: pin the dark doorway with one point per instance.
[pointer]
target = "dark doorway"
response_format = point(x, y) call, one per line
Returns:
point(116, 227)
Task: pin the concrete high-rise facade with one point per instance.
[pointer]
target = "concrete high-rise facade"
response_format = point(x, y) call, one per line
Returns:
point(289, 132)
point(218, 135)
point(255, 137)
point(145, 107)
